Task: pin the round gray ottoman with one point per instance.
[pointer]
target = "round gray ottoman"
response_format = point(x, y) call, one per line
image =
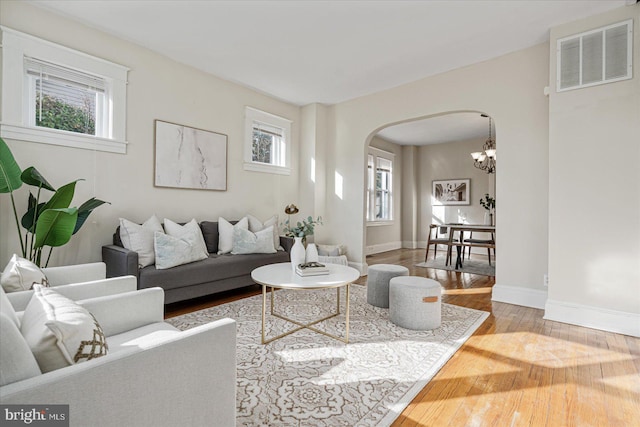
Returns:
point(378, 282)
point(415, 303)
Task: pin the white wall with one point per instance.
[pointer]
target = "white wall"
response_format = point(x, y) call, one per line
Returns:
point(451, 161)
point(594, 194)
point(158, 88)
point(386, 237)
point(509, 89)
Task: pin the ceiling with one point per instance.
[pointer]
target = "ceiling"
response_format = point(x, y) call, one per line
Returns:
point(308, 51)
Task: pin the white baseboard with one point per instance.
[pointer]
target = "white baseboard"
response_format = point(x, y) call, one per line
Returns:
point(383, 247)
point(516, 295)
point(593, 317)
point(409, 244)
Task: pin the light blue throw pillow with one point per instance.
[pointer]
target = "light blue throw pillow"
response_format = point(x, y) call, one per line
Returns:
point(246, 242)
point(172, 251)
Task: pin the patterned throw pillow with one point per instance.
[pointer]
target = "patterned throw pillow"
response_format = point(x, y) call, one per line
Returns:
point(189, 232)
point(172, 251)
point(59, 331)
point(256, 225)
point(21, 274)
point(246, 242)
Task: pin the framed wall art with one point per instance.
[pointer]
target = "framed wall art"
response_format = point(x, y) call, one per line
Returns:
point(187, 157)
point(451, 191)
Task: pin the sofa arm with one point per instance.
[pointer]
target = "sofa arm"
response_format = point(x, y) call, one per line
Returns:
point(75, 273)
point(120, 261)
point(146, 386)
point(80, 291)
point(124, 312)
point(286, 243)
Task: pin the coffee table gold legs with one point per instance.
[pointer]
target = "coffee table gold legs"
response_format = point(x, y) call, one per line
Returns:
point(309, 326)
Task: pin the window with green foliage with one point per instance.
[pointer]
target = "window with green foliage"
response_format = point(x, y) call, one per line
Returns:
point(268, 142)
point(55, 113)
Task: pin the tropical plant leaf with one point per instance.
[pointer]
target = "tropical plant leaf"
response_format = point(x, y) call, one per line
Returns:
point(31, 176)
point(62, 197)
point(9, 170)
point(29, 218)
point(55, 227)
point(85, 210)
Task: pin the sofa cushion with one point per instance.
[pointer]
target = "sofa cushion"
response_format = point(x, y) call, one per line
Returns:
point(140, 238)
point(225, 231)
point(59, 331)
point(246, 242)
point(216, 267)
point(256, 225)
point(210, 234)
point(16, 360)
point(20, 274)
point(173, 251)
point(190, 232)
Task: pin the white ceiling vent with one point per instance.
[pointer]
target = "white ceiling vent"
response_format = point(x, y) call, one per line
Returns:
point(595, 57)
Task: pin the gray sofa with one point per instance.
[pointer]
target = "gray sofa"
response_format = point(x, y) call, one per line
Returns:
point(217, 273)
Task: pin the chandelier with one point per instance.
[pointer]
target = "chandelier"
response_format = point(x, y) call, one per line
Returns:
point(486, 159)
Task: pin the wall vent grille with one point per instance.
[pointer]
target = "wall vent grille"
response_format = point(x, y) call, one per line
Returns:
point(595, 57)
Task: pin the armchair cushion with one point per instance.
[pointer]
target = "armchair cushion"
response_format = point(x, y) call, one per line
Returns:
point(16, 360)
point(7, 309)
point(59, 331)
point(20, 275)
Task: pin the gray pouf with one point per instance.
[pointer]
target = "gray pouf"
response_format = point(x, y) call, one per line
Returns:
point(415, 303)
point(378, 282)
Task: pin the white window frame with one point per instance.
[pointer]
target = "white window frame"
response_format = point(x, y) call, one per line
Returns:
point(16, 93)
point(253, 115)
point(628, 23)
point(371, 187)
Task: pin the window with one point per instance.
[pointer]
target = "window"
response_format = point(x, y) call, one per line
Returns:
point(380, 186)
point(55, 95)
point(267, 142)
point(599, 56)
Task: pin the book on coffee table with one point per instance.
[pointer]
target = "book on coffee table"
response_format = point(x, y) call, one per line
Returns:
point(311, 269)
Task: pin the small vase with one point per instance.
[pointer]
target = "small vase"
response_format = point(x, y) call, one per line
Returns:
point(297, 253)
point(488, 218)
point(312, 253)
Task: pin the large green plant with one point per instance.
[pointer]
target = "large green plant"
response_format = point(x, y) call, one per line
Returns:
point(50, 223)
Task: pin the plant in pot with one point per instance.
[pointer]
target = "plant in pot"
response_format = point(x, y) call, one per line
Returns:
point(299, 232)
point(489, 203)
point(50, 223)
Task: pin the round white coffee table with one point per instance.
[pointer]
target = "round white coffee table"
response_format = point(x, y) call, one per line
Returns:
point(281, 276)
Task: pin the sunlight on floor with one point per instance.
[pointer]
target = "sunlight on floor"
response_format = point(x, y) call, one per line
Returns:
point(470, 291)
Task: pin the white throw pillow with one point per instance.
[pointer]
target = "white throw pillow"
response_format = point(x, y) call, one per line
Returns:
point(256, 225)
point(21, 274)
point(246, 242)
point(190, 232)
point(59, 331)
point(173, 251)
point(139, 238)
point(225, 234)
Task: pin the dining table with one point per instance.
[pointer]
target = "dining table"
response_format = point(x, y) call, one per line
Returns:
point(460, 243)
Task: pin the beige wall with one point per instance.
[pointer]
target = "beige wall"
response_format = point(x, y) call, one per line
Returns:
point(594, 193)
point(158, 88)
point(509, 89)
point(386, 237)
point(451, 161)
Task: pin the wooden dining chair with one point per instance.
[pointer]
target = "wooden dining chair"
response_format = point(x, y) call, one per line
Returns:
point(491, 241)
point(437, 240)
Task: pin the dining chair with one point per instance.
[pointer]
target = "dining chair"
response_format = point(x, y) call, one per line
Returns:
point(491, 241)
point(437, 240)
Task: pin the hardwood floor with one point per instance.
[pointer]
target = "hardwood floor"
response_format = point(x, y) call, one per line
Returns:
point(517, 369)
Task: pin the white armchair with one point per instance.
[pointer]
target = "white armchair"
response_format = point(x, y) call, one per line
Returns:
point(77, 282)
point(154, 375)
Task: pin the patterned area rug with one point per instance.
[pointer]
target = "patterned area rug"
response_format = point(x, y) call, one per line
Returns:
point(468, 266)
point(308, 379)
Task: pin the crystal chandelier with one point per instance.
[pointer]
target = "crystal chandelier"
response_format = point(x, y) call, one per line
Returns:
point(486, 159)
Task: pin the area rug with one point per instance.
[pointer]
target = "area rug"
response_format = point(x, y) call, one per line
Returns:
point(308, 379)
point(470, 266)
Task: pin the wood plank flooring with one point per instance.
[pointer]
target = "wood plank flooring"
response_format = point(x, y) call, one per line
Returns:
point(517, 369)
